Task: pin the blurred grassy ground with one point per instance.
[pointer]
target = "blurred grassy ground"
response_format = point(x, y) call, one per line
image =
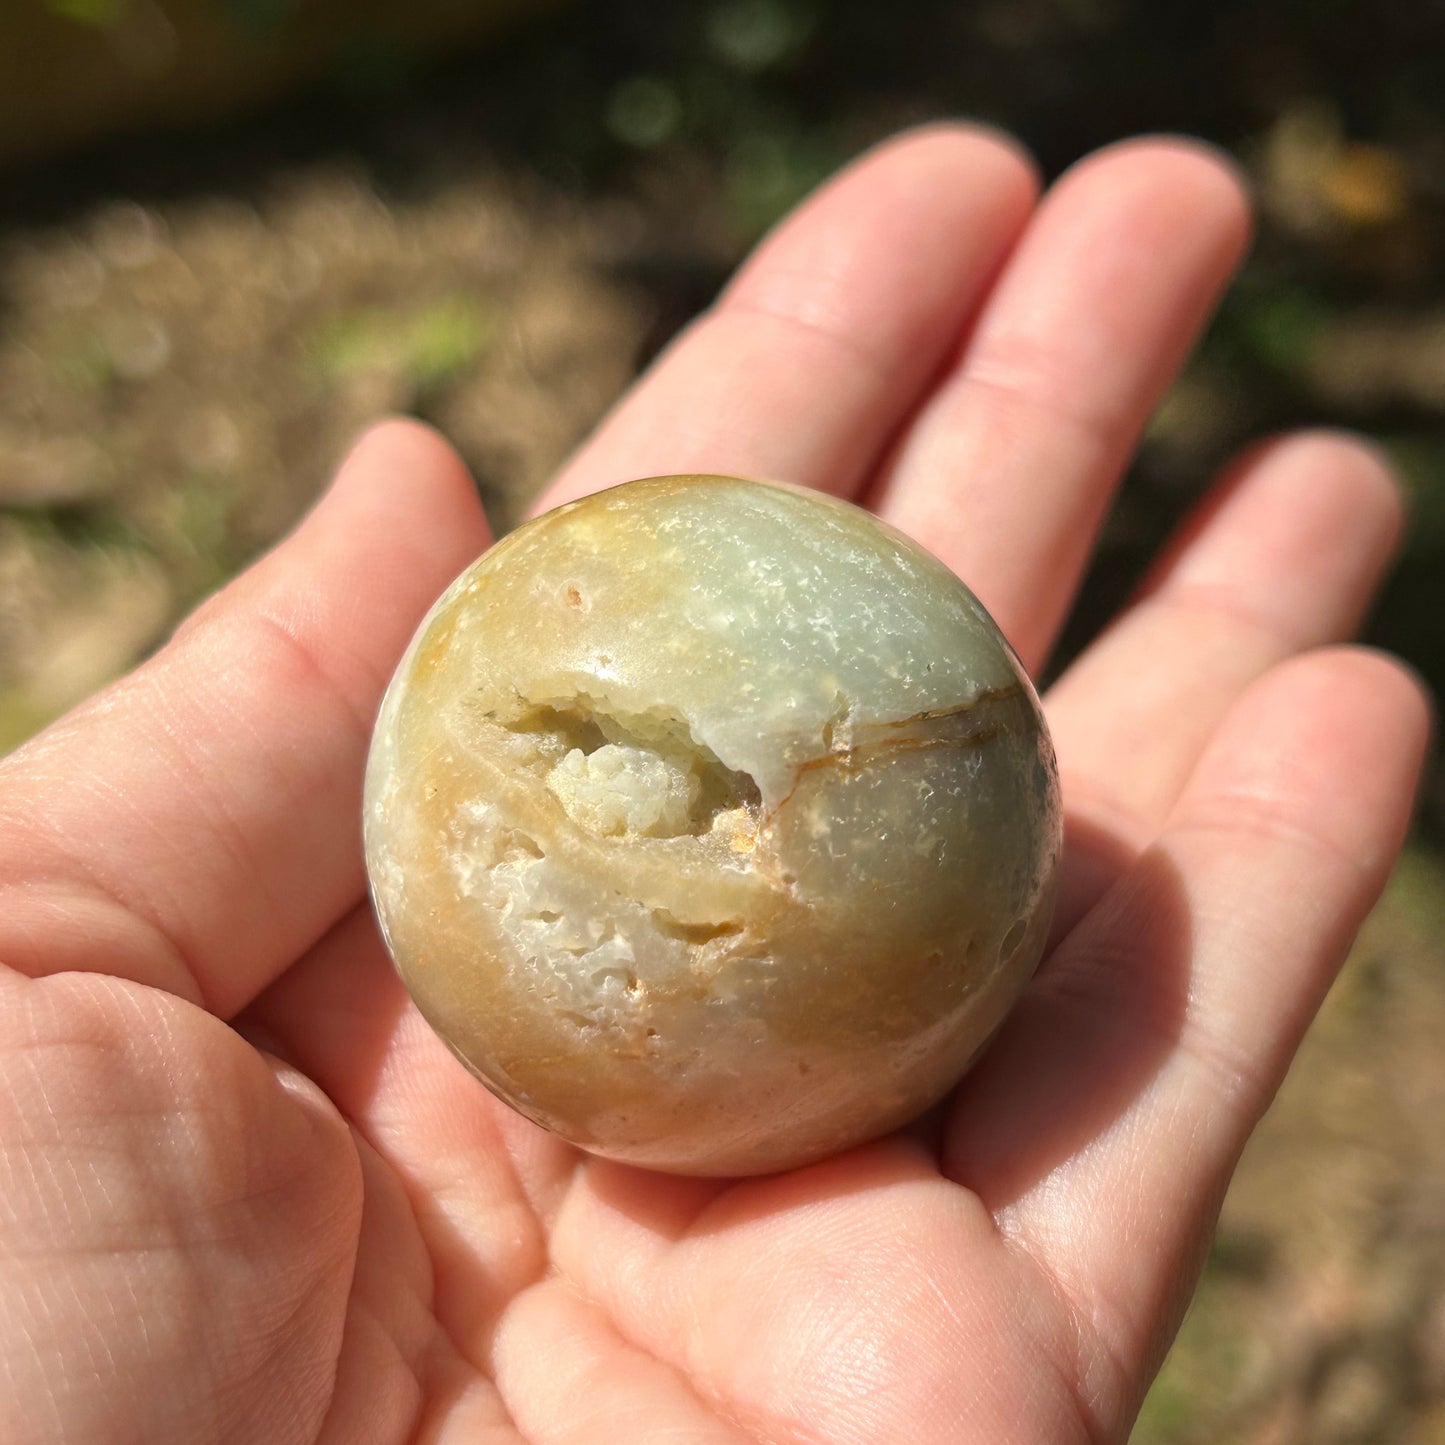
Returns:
point(191, 326)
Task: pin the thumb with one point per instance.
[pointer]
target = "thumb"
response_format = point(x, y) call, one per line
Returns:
point(178, 1223)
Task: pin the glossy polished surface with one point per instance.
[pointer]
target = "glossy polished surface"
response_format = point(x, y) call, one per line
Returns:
point(712, 824)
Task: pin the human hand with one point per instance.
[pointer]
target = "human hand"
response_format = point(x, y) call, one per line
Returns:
point(315, 1226)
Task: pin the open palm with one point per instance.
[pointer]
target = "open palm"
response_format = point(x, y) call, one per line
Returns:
point(245, 1195)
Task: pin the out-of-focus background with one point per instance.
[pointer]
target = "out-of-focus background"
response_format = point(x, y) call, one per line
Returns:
point(232, 231)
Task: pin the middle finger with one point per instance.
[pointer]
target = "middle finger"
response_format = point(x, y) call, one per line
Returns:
point(1006, 471)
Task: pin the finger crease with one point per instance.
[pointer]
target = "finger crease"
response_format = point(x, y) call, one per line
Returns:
point(1245, 816)
point(175, 958)
point(1087, 1331)
point(714, 1408)
point(1234, 1077)
point(1086, 803)
point(317, 672)
point(1029, 389)
point(818, 322)
point(1227, 604)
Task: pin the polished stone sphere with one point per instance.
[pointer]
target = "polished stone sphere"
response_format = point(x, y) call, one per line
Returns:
point(713, 824)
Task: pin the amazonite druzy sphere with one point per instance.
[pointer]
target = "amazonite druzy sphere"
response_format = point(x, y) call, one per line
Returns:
point(712, 824)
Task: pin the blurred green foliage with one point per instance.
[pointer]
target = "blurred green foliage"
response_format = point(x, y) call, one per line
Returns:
point(89, 12)
point(259, 19)
point(428, 343)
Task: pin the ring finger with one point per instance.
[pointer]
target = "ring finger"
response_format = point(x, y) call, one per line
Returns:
point(1282, 556)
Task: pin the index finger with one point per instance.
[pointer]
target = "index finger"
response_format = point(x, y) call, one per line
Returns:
point(824, 342)
point(197, 826)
